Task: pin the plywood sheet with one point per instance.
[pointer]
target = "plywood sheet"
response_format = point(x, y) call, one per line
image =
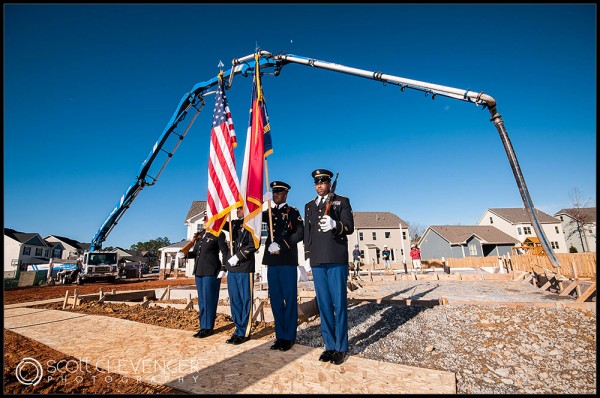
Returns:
point(173, 357)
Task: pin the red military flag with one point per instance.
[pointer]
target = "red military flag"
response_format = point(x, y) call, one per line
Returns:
point(258, 147)
point(223, 184)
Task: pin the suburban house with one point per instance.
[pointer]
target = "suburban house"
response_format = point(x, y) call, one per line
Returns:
point(372, 230)
point(68, 249)
point(459, 241)
point(194, 221)
point(22, 249)
point(515, 222)
point(579, 227)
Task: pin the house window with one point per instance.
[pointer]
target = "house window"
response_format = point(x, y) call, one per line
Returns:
point(519, 231)
point(554, 245)
point(491, 220)
point(264, 229)
point(472, 250)
point(26, 250)
point(374, 235)
point(561, 219)
point(46, 253)
point(387, 235)
point(403, 235)
point(556, 229)
point(360, 236)
point(56, 253)
point(199, 227)
point(38, 251)
point(527, 230)
point(362, 254)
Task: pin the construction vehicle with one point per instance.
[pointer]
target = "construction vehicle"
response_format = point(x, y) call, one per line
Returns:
point(272, 64)
point(91, 266)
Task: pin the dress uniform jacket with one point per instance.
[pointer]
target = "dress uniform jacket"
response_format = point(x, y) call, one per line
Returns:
point(331, 246)
point(288, 230)
point(206, 254)
point(243, 247)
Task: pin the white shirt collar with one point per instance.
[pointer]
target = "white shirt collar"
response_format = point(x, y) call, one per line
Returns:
point(280, 206)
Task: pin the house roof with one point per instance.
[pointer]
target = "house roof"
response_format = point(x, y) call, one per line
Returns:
point(25, 237)
point(457, 234)
point(69, 241)
point(198, 206)
point(377, 219)
point(519, 215)
point(588, 213)
point(176, 245)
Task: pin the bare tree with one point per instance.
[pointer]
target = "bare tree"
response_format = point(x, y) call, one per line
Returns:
point(415, 231)
point(581, 218)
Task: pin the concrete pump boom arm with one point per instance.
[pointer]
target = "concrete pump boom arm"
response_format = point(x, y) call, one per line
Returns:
point(266, 59)
point(195, 99)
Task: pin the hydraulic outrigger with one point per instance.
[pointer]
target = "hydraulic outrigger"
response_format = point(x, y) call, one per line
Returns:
point(245, 67)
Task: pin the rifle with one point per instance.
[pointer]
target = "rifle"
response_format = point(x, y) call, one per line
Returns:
point(330, 195)
point(186, 249)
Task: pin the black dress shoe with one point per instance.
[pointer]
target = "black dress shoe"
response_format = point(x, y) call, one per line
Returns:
point(326, 355)
point(339, 358)
point(286, 345)
point(204, 333)
point(197, 333)
point(277, 344)
point(240, 339)
point(232, 339)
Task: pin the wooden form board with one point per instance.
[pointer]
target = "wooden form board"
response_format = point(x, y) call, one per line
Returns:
point(174, 358)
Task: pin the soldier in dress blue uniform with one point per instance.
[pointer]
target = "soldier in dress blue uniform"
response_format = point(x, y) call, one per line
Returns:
point(281, 258)
point(207, 266)
point(240, 278)
point(326, 250)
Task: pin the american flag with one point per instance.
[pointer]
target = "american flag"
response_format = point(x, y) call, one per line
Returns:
point(258, 147)
point(223, 185)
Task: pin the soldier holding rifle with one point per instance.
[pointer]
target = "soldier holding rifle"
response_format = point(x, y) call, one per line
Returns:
point(328, 221)
point(207, 264)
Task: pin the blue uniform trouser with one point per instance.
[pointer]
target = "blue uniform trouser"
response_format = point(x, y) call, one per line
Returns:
point(240, 288)
point(332, 299)
point(283, 294)
point(208, 298)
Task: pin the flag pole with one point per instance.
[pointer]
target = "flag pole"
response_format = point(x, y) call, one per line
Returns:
point(269, 201)
point(259, 96)
point(230, 234)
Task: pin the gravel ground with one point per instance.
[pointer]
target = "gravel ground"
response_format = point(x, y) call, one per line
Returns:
point(491, 349)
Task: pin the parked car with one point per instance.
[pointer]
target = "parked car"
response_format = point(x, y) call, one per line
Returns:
point(155, 269)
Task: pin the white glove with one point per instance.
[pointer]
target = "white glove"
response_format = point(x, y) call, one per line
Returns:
point(274, 248)
point(267, 196)
point(180, 255)
point(221, 274)
point(307, 264)
point(233, 260)
point(326, 224)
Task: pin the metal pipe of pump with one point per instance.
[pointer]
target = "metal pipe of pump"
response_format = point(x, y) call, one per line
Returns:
point(459, 94)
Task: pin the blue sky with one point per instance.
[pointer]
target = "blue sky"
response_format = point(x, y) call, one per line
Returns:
point(89, 88)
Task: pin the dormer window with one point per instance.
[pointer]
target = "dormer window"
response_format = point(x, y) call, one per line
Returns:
point(491, 220)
